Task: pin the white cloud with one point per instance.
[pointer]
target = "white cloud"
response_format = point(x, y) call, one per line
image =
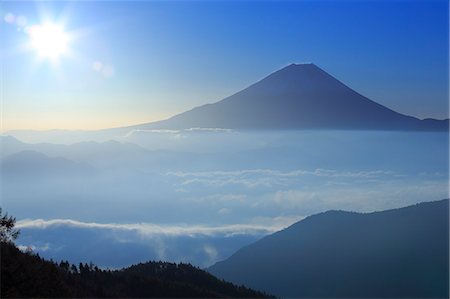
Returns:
point(222, 130)
point(252, 178)
point(279, 221)
point(156, 131)
point(211, 253)
point(148, 229)
point(177, 133)
point(277, 173)
point(381, 196)
point(217, 182)
point(26, 248)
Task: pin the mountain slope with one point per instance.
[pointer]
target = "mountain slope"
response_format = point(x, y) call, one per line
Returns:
point(27, 275)
point(299, 96)
point(395, 253)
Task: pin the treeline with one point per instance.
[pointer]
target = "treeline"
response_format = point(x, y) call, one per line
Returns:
point(25, 274)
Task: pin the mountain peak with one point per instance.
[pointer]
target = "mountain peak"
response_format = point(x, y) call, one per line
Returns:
point(298, 66)
point(301, 64)
point(298, 96)
point(301, 71)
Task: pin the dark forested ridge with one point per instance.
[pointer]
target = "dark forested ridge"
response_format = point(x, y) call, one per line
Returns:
point(400, 253)
point(27, 275)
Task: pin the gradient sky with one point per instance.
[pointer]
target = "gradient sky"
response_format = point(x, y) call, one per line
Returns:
point(163, 58)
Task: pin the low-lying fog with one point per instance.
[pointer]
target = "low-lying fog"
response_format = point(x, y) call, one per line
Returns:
point(198, 195)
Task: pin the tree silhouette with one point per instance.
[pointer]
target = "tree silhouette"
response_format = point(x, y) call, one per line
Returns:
point(8, 232)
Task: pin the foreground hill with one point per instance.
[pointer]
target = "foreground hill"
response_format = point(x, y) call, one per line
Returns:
point(299, 96)
point(24, 275)
point(395, 253)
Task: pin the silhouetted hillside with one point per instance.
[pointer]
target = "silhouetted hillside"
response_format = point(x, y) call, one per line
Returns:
point(395, 253)
point(25, 275)
point(299, 96)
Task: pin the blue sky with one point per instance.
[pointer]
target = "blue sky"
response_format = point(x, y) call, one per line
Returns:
point(162, 58)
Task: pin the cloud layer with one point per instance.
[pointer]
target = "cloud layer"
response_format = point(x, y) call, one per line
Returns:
point(252, 178)
point(166, 230)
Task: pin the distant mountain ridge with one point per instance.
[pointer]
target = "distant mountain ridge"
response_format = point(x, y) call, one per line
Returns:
point(33, 164)
point(299, 96)
point(390, 254)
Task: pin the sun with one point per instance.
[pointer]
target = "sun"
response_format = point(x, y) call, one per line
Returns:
point(48, 40)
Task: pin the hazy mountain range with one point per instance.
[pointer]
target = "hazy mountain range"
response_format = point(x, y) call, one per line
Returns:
point(36, 165)
point(394, 253)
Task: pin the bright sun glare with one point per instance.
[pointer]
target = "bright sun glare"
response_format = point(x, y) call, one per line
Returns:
point(49, 40)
